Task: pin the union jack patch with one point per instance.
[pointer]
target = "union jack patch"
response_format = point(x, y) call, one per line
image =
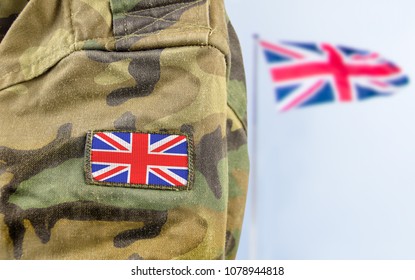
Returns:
point(141, 160)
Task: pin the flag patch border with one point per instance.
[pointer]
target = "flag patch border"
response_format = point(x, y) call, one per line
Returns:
point(190, 156)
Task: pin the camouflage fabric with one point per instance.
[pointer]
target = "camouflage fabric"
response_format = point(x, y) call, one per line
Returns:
point(71, 66)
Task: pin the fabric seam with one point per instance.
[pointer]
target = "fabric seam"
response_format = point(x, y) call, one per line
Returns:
point(68, 49)
point(239, 118)
point(162, 6)
point(127, 32)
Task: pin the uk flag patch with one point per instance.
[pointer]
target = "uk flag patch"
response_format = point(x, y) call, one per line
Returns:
point(141, 160)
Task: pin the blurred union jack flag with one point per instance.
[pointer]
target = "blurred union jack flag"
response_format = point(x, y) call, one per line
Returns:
point(129, 158)
point(306, 74)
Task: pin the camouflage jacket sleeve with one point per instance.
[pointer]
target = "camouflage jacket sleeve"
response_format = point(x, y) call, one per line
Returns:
point(123, 130)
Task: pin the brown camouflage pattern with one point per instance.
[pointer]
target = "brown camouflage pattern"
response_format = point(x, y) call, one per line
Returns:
point(144, 65)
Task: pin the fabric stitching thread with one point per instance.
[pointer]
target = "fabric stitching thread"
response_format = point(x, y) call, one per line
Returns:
point(209, 21)
point(124, 5)
point(175, 10)
point(72, 46)
point(177, 31)
point(117, 39)
point(162, 6)
point(169, 21)
point(71, 22)
point(237, 116)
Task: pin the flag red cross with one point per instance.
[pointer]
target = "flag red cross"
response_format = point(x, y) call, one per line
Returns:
point(337, 68)
point(139, 158)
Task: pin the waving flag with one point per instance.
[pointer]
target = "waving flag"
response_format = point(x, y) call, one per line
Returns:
point(139, 159)
point(306, 74)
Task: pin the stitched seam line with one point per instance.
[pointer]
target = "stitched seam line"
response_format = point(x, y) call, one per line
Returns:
point(208, 15)
point(176, 31)
point(226, 61)
point(71, 22)
point(124, 5)
point(237, 116)
point(169, 21)
point(53, 50)
point(117, 39)
point(152, 8)
point(68, 48)
point(150, 24)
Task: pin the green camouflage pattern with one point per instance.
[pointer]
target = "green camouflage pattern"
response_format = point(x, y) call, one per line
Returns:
point(9, 10)
point(142, 65)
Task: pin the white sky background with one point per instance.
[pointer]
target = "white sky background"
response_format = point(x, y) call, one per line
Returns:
point(336, 181)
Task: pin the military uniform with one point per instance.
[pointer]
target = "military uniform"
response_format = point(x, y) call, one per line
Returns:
point(161, 67)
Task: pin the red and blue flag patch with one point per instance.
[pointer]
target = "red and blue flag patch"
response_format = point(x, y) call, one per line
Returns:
point(135, 159)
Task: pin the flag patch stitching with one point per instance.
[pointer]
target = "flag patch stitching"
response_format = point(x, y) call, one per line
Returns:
point(147, 160)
